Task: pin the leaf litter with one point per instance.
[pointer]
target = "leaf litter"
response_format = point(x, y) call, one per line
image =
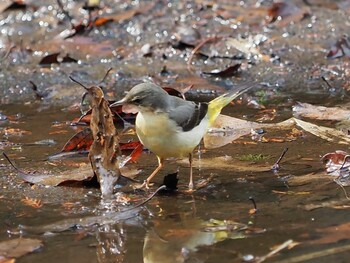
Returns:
point(289, 14)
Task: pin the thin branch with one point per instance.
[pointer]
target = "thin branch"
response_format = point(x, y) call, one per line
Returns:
point(12, 164)
point(275, 251)
point(198, 47)
point(326, 81)
point(74, 80)
point(276, 165)
point(106, 75)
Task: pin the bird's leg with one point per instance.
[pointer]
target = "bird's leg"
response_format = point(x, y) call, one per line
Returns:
point(149, 178)
point(190, 185)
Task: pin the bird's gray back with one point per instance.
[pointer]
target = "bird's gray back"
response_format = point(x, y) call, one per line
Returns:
point(187, 114)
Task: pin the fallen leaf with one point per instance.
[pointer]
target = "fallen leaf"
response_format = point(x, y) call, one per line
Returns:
point(307, 110)
point(80, 141)
point(123, 15)
point(187, 35)
point(35, 203)
point(14, 132)
point(340, 49)
point(331, 234)
point(342, 204)
point(283, 13)
point(15, 248)
point(57, 59)
point(227, 129)
point(290, 192)
point(334, 161)
point(137, 151)
point(226, 73)
point(246, 46)
point(104, 151)
point(227, 163)
point(338, 164)
point(82, 176)
point(12, 5)
point(72, 177)
point(325, 133)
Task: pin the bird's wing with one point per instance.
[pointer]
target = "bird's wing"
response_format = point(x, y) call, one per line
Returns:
point(187, 114)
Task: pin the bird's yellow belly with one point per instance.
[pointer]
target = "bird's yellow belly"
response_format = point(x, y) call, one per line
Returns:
point(161, 135)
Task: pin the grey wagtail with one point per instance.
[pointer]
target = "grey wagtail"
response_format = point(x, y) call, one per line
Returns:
point(170, 126)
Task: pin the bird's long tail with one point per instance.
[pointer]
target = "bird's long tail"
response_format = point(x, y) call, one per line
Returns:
point(217, 104)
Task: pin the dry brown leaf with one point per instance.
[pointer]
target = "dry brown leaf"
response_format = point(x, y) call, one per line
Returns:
point(332, 234)
point(14, 248)
point(105, 150)
point(228, 163)
point(14, 132)
point(325, 133)
point(290, 192)
point(35, 203)
point(7, 260)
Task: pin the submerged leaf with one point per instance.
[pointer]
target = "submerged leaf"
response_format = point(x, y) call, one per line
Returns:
point(67, 178)
point(283, 13)
point(227, 129)
point(228, 163)
point(331, 234)
point(320, 112)
point(35, 203)
point(15, 248)
point(82, 176)
point(325, 133)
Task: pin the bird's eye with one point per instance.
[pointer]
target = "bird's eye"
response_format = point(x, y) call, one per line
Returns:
point(136, 101)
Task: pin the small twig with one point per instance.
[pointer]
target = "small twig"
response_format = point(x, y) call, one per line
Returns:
point(255, 209)
point(83, 114)
point(275, 251)
point(343, 188)
point(74, 80)
point(12, 164)
point(324, 252)
point(326, 81)
point(65, 12)
point(254, 203)
point(38, 96)
point(276, 166)
point(198, 47)
point(106, 75)
point(8, 52)
point(163, 187)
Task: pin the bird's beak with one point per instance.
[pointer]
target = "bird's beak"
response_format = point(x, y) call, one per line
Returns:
point(118, 103)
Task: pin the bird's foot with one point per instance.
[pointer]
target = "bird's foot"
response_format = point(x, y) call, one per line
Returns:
point(145, 184)
point(190, 187)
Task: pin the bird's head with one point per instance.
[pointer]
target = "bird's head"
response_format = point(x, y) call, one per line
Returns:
point(144, 97)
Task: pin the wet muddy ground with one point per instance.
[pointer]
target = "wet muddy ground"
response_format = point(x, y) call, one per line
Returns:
point(216, 223)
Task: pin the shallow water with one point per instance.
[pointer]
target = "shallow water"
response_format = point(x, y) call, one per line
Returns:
point(170, 228)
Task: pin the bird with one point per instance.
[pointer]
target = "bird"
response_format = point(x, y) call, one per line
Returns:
point(170, 126)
